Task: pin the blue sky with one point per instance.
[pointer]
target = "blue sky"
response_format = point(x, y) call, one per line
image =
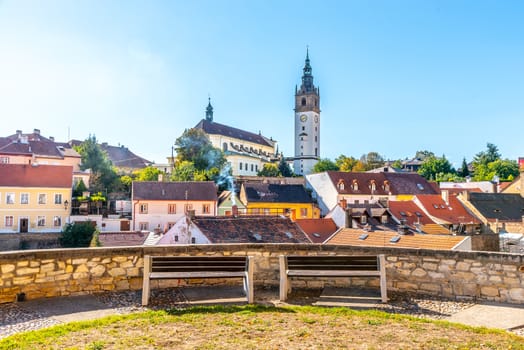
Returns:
point(394, 76)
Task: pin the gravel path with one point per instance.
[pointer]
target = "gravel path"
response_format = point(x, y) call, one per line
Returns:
point(14, 318)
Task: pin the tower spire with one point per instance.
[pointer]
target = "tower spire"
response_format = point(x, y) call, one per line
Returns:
point(209, 110)
point(307, 77)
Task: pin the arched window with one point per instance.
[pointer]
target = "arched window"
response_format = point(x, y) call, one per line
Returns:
point(354, 185)
point(373, 186)
point(341, 185)
point(303, 101)
point(224, 146)
point(386, 186)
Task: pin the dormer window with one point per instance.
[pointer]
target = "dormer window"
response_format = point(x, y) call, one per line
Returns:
point(354, 185)
point(386, 186)
point(341, 185)
point(373, 186)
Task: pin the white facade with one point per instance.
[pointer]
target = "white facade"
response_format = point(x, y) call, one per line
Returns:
point(183, 232)
point(323, 191)
point(307, 141)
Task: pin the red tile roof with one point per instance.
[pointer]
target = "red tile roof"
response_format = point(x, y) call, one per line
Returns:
point(176, 190)
point(250, 229)
point(317, 230)
point(25, 175)
point(399, 183)
point(382, 239)
point(413, 214)
point(453, 212)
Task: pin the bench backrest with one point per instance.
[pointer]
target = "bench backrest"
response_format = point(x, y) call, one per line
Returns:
point(190, 264)
point(352, 263)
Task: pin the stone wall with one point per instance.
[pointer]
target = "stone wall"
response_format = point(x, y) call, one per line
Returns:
point(58, 272)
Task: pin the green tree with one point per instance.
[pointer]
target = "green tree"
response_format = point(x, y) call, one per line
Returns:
point(435, 167)
point(464, 170)
point(324, 165)
point(94, 158)
point(77, 235)
point(269, 170)
point(397, 164)
point(346, 163)
point(284, 169)
point(505, 169)
point(183, 171)
point(491, 154)
point(79, 189)
point(194, 146)
point(424, 154)
point(147, 174)
point(372, 160)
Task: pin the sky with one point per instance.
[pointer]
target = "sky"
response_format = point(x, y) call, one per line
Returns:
point(395, 77)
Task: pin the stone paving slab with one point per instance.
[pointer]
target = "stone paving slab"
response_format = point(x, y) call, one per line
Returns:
point(492, 315)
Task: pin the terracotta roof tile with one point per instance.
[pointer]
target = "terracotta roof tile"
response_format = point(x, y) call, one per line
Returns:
point(452, 212)
point(250, 229)
point(183, 190)
point(317, 230)
point(382, 239)
point(413, 214)
point(399, 183)
point(25, 175)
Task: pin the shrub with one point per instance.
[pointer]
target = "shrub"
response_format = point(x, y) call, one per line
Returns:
point(77, 235)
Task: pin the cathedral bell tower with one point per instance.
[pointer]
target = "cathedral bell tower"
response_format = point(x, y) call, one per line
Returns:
point(307, 123)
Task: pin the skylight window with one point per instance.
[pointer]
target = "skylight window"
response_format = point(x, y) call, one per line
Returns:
point(443, 206)
point(363, 236)
point(394, 239)
point(289, 235)
point(420, 187)
point(402, 213)
point(418, 214)
point(316, 235)
point(435, 206)
point(257, 236)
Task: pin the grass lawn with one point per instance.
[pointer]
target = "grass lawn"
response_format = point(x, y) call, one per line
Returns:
point(261, 327)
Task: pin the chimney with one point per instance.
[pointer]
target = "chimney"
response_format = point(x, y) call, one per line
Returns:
point(234, 210)
point(344, 203)
point(445, 196)
point(36, 131)
point(52, 138)
point(522, 183)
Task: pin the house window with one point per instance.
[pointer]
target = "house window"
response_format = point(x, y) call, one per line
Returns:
point(58, 198)
point(224, 146)
point(384, 219)
point(363, 220)
point(303, 212)
point(386, 186)
point(316, 139)
point(57, 221)
point(188, 207)
point(42, 198)
point(41, 221)
point(341, 185)
point(373, 186)
point(9, 221)
point(316, 151)
point(171, 208)
point(240, 164)
point(143, 208)
point(176, 238)
point(143, 226)
point(256, 168)
point(193, 240)
point(303, 128)
point(24, 198)
point(252, 167)
point(170, 225)
point(10, 198)
point(354, 185)
point(4, 160)
point(206, 208)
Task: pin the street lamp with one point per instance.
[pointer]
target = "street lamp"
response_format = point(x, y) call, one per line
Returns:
point(66, 204)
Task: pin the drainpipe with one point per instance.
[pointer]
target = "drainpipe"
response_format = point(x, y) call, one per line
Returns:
point(134, 214)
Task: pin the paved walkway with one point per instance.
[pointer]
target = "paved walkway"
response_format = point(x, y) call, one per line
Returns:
point(35, 314)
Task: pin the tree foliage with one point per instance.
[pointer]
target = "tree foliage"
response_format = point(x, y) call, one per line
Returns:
point(422, 155)
point(269, 170)
point(325, 165)
point(284, 168)
point(434, 168)
point(147, 174)
point(194, 146)
point(372, 160)
point(77, 235)
point(93, 157)
point(464, 170)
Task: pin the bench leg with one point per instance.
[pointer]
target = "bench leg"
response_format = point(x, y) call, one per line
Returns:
point(248, 281)
point(383, 284)
point(146, 284)
point(284, 281)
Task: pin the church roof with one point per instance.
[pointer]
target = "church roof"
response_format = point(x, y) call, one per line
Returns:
point(276, 193)
point(122, 157)
point(213, 128)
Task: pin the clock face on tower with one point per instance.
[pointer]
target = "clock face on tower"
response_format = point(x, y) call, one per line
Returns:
point(303, 118)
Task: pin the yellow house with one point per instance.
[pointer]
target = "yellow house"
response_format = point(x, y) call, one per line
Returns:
point(34, 198)
point(278, 199)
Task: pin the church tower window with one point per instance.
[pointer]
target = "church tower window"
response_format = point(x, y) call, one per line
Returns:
point(303, 101)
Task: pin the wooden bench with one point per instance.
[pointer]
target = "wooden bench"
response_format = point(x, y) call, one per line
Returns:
point(183, 267)
point(332, 266)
